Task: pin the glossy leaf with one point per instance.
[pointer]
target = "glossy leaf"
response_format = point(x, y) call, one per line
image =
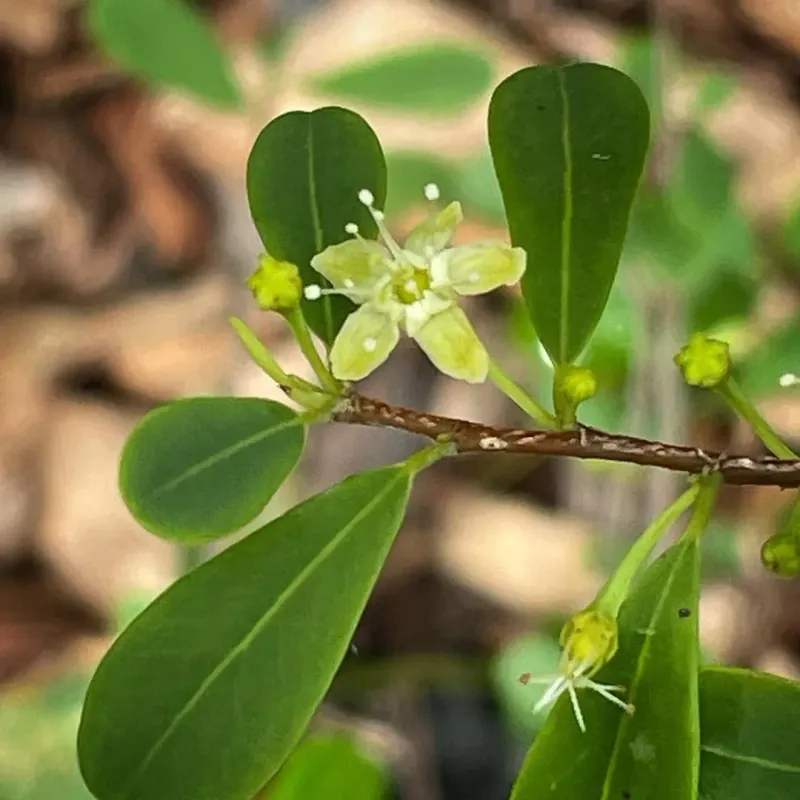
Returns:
point(568, 145)
point(749, 723)
point(166, 44)
point(333, 767)
point(209, 690)
point(204, 467)
point(653, 753)
point(437, 79)
point(303, 179)
point(779, 353)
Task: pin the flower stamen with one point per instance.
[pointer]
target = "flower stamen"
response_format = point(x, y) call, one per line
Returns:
point(431, 191)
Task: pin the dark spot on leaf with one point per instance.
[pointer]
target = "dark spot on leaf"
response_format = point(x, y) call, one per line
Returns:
point(541, 108)
point(626, 795)
point(684, 612)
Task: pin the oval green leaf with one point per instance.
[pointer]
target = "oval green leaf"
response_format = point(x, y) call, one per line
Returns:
point(568, 145)
point(653, 753)
point(750, 723)
point(333, 767)
point(437, 79)
point(166, 44)
point(204, 467)
point(207, 692)
point(303, 178)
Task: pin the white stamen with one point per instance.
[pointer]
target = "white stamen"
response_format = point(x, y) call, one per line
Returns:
point(351, 228)
point(411, 285)
point(370, 344)
point(378, 215)
point(312, 291)
point(573, 696)
point(788, 379)
point(348, 284)
point(366, 197)
point(431, 192)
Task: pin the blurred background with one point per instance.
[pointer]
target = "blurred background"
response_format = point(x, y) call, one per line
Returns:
point(125, 239)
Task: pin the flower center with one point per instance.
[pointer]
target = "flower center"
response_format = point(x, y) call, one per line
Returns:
point(409, 284)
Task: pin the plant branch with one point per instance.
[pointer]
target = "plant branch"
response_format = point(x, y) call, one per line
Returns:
point(583, 443)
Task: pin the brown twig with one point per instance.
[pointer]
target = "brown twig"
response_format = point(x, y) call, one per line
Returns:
point(585, 442)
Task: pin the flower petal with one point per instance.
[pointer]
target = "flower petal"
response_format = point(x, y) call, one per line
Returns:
point(357, 264)
point(363, 343)
point(478, 268)
point(451, 343)
point(435, 233)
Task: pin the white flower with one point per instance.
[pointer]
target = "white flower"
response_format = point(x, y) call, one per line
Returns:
point(589, 640)
point(413, 289)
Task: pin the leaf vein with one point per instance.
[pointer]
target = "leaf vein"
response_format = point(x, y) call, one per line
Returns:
point(766, 763)
point(257, 628)
point(566, 222)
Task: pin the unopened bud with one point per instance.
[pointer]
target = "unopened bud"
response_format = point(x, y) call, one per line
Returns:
point(781, 554)
point(705, 362)
point(276, 285)
point(578, 384)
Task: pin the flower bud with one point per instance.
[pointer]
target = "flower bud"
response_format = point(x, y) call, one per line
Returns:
point(276, 285)
point(578, 384)
point(589, 640)
point(705, 362)
point(781, 554)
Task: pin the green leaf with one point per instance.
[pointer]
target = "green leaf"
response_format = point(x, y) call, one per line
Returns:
point(701, 190)
point(409, 172)
point(715, 90)
point(749, 723)
point(333, 767)
point(761, 369)
point(653, 753)
point(303, 179)
point(207, 692)
point(478, 188)
point(568, 145)
point(435, 79)
point(166, 44)
point(204, 467)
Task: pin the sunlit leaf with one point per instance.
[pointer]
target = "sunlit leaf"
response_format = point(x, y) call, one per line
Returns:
point(165, 43)
point(440, 78)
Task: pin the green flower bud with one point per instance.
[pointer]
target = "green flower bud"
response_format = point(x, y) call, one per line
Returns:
point(781, 554)
point(589, 640)
point(704, 361)
point(276, 285)
point(578, 384)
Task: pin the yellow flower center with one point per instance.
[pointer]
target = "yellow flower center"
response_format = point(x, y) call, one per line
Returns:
point(409, 284)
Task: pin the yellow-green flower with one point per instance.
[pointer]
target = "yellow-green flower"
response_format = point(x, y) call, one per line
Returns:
point(276, 285)
point(588, 641)
point(413, 289)
point(705, 362)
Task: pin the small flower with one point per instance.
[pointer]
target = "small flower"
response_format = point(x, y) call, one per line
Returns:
point(704, 361)
point(413, 289)
point(588, 641)
point(578, 384)
point(789, 379)
point(276, 285)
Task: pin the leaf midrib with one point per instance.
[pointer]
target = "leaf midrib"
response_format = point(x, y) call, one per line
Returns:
point(257, 628)
point(220, 455)
point(566, 222)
